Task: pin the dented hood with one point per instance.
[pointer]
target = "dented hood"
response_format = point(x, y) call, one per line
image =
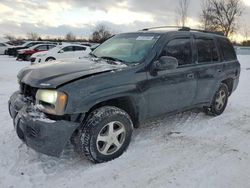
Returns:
point(54, 74)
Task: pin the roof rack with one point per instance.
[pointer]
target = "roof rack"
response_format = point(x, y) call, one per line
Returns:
point(161, 27)
point(184, 29)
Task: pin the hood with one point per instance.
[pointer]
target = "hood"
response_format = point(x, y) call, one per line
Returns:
point(54, 74)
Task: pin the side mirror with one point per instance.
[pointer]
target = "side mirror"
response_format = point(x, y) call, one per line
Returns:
point(61, 51)
point(165, 63)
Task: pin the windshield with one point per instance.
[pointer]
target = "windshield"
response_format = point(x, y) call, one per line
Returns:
point(128, 48)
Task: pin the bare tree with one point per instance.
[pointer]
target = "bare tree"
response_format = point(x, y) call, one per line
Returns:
point(246, 31)
point(70, 37)
point(33, 36)
point(221, 15)
point(182, 12)
point(9, 37)
point(100, 34)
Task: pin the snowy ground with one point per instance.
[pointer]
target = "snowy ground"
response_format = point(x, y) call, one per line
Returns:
point(184, 150)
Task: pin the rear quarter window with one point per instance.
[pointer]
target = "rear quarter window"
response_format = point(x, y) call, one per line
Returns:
point(227, 49)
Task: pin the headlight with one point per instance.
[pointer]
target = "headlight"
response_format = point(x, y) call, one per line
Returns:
point(52, 101)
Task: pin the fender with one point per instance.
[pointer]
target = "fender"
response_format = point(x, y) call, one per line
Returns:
point(83, 104)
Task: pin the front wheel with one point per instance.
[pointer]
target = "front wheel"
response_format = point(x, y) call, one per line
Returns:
point(50, 59)
point(219, 102)
point(105, 135)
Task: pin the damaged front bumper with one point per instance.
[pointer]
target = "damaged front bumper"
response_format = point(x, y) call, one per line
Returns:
point(38, 132)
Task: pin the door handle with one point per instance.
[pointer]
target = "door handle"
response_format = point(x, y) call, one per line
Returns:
point(190, 76)
point(219, 70)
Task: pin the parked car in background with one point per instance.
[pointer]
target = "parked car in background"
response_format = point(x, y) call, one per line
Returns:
point(25, 54)
point(4, 47)
point(16, 42)
point(64, 51)
point(13, 50)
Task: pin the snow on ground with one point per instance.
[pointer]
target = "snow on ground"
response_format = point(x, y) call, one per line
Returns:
point(185, 150)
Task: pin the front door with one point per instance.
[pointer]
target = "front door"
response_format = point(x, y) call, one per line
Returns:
point(172, 90)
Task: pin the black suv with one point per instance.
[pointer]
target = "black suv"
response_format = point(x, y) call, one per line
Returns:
point(95, 102)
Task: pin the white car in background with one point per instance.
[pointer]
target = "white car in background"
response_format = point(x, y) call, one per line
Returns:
point(4, 47)
point(60, 52)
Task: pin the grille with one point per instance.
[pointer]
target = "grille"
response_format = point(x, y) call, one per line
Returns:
point(32, 132)
point(28, 91)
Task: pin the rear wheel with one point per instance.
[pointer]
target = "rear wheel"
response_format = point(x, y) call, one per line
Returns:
point(105, 135)
point(219, 101)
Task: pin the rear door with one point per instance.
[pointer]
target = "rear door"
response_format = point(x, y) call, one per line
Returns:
point(209, 67)
point(79, 51)
point(172, 90)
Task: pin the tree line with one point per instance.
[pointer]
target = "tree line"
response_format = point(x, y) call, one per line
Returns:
point(99, 35)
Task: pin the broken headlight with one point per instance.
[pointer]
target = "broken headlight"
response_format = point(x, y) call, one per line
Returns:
point(51, 101)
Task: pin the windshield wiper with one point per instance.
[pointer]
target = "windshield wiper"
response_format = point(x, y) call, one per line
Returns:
point(113, 59)
point(93, 55)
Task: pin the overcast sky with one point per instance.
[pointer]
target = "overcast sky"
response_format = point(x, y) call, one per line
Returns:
point(58, 17)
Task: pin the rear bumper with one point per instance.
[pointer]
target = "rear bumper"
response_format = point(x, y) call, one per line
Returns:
point(235, 84)
point(38, 132)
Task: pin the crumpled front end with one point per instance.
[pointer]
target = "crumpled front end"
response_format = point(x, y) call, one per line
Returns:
point(38, 131)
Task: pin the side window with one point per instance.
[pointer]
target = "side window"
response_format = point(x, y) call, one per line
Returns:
point(42, 47)
point(50, 47)
point(68, 49)
point(1, 45)
point(206, 50)
point(79, 48)
point(180, 49)
point(30, 45)
point(227, 49)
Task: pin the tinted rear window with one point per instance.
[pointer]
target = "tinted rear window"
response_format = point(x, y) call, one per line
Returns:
point(227, 49)
point(79, 48)
point(207, 51)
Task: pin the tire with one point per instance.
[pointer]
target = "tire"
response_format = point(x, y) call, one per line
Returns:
point(95, 141)
point(50, 59)
point(219, 102)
